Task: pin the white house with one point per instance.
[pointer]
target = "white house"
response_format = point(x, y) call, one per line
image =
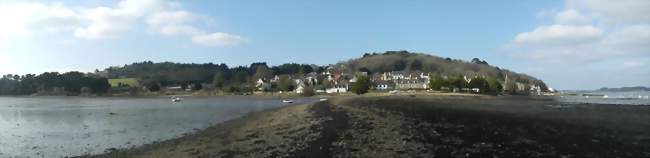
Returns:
point(340, 88)
point(411, 84)
point(275, 79)
point(300, 86)
point(383, 85)
point(262, 85)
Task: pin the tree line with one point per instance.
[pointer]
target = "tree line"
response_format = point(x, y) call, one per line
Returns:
point(70, 83)
point(224, 78)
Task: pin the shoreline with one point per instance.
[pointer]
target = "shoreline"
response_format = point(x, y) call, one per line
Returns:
point(418, 126)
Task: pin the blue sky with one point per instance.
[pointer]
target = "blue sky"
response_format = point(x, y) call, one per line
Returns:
point(572, 44)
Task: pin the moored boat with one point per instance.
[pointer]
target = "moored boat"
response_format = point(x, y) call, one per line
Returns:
point(176, 99)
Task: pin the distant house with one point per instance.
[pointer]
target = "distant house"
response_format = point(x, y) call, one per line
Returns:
point(425, 76)
point(535, 89)
point(411, 84)
point(275, 79)
point(208, 86)
point(311, 80)
point(175, 88)
point(467, 79)
point(262, 85)
point(300, 86)
point(339, 88)
point(354, 79)
point(384, 85)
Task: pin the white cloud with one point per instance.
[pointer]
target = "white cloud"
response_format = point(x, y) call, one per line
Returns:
point(172, 30)
point(559, 34)
point(633, 64)
point(174, 23)
point(217, 39)
point(614, 12)
point(170, 17)
point(29, 18)
point(589, 31)
point(103, 22)
point(633, 39)
point(571, 17)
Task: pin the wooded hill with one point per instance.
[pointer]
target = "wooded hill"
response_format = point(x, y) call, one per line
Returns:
point(419, 62)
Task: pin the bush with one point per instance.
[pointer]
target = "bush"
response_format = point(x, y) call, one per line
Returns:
point(308, 92)
point(494, 86)
point(152, 86)
point(437, 82)
point(362, 85)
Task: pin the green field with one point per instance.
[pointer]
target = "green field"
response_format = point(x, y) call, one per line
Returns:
point(125, 81)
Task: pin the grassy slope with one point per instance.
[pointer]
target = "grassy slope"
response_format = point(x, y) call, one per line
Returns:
point(127, 81)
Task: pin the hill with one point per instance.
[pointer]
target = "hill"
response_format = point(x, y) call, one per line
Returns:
point(419, 62)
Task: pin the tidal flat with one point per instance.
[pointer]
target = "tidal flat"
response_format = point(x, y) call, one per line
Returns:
point(420, 126)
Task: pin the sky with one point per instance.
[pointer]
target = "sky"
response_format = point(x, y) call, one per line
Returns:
point(570, 44)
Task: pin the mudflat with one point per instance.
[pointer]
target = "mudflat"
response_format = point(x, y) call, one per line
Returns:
point(420, 126)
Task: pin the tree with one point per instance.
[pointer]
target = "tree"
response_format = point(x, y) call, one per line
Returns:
point(494, 86)
point(437, 82)
point(153, 86)
point(416, 65)
point(72, 82)
point(285, 83)
point(362, 85)
point(457, 82)
point(263, 72)
point(219, 79)
point(479, 61)
point(480, 83)
point(399, 65)
point(100, 85)
point(197, 86)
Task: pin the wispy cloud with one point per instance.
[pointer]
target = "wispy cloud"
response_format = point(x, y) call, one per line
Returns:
point(105, 22)
point(589, 31)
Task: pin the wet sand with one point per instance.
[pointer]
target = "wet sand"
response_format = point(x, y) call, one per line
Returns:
point(420, 126)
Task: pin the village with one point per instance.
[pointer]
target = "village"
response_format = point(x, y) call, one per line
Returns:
point(333, 81)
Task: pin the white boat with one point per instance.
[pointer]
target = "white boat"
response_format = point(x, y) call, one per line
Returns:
point(323, 99)
point(287, 101)
point(176, 99)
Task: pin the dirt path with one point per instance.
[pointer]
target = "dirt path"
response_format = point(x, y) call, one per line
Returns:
point(334, 120)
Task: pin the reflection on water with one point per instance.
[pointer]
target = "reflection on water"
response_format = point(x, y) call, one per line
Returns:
point(68, 126)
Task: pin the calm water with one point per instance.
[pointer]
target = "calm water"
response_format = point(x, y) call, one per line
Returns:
point(68, 126)
point(627, 98)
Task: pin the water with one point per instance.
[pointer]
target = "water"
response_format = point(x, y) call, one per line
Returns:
point(69, 126)
point(623, 98)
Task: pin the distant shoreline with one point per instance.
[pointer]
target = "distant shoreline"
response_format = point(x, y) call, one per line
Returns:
point(261, 94)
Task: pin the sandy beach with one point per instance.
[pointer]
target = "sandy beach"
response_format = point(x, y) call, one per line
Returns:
point(420, 126)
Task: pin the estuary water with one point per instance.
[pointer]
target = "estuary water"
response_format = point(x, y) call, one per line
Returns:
point(72, 126)
point(622, 98)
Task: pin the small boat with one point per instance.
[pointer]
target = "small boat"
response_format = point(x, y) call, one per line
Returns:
point(176, 99)
point(287, 101)
point(323, 99)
